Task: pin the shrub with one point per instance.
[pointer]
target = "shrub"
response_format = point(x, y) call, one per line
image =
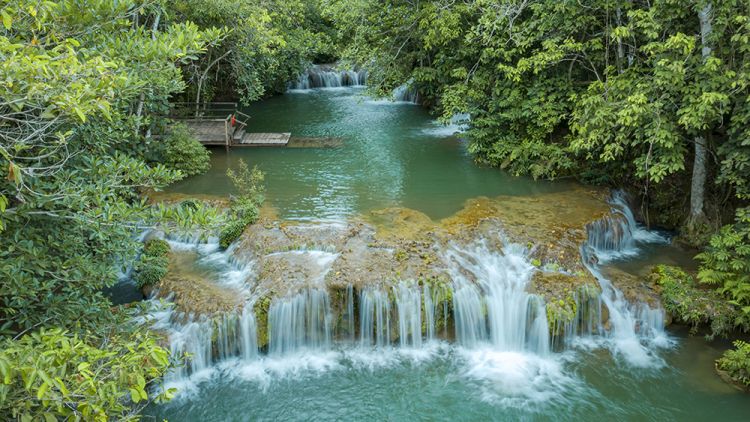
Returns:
point(736, 362)
point(157, 247)
point(153, 264)
point(184, 153)
point(691, 305)
point(244, 208)
point(726, 263)
point(56, 375)
point(231, 232)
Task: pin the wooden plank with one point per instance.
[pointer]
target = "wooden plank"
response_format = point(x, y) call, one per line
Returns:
point(264, 139)
point(208, 132)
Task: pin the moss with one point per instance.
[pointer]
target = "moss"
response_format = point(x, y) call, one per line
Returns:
point(561, 312)
point(691, 305)
point(231, 232)
point(260, 308)
point(153, 265)
point(156, 247)
point(736, 364)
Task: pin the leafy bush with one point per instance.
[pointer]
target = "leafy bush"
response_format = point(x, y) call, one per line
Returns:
point(726, 262)
point(184, 153)
point(157, 247)
point(736, 362)
point(153, 264)
point(249, 183)
point(244, 208)
point(231, 232)
point(53, 374)
point(691, 305)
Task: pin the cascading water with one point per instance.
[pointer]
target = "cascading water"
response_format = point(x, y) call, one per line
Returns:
point(632, 327)
point(321, 76)
point(300, 321)
point(618, 236)
point(406, 93)
point(374, 318)
point(409, 307)
point(490, 300)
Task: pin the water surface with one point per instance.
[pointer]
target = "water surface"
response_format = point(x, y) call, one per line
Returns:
point(391, 154)
point(394, 154)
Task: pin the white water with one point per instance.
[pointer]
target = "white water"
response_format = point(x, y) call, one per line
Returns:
point(374, 318)
point(501, 330)
point(406, 93)
point(409, 304)
point(319, 76)
point(486, 281)
point(636, 330)
point(300, 321)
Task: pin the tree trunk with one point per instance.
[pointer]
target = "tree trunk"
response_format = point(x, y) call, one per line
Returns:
point(697, 188)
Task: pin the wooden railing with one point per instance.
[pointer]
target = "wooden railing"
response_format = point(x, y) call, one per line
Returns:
point(212, 112)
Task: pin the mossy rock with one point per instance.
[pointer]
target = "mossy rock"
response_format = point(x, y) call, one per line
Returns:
point(260, 308)
point(153, 265)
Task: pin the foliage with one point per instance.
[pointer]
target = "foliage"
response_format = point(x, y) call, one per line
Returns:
point(53, 373)
point(736, 362)
point(153, 264)
point(244, 208)
point(85, 86)
point(689, 304)
point(183, 152)
point(726, 263)
point(266, 44)
point(608, 91)
point(80, 82)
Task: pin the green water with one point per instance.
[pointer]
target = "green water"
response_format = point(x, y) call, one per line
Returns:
point(440, 385)
point(394, 155)
point(391, 154)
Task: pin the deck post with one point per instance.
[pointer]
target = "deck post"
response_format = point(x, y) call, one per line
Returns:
point(226, 134)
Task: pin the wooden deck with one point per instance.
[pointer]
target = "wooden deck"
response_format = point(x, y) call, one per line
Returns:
point(223, 124)
point(263, 140)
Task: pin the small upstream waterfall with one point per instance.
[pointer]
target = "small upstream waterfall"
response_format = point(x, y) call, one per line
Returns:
point(320, 76)
point(632, 326)
point(617, 236)
point(406, 93)
point(300, 321)
point(495, 305)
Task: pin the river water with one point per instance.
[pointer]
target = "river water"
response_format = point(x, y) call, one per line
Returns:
point(395, 154)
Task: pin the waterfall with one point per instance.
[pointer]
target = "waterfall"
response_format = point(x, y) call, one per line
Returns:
point(586, 322)
point(194, 339)
point(248, 334)
point(631, 327)
point(300, 321)
point(350, 312)
point(618, 235)
point(374, 318)
point(321, 76)
point(409, 306)
point(406, 93)
point(490, 299)
point(429, 312)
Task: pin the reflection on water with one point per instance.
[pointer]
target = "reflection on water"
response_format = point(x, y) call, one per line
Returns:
point(393, 154)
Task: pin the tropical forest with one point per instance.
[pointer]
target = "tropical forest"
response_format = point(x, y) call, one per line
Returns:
point(374, 210)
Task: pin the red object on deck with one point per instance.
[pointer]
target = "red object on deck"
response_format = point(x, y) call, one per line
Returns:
point(234, 120)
